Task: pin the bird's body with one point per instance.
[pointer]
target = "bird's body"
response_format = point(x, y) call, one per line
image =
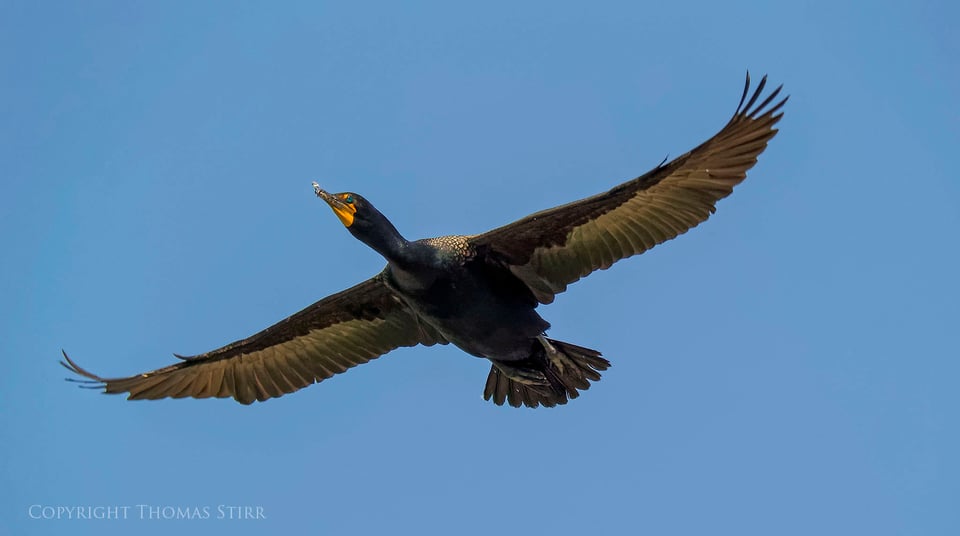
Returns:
point(480, 308)
point(465, 297)
point(478, 292)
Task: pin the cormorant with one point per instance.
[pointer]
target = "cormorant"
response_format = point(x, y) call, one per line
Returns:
point(477, 292)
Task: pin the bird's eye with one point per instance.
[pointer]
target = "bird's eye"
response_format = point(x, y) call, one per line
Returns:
point(349, 199)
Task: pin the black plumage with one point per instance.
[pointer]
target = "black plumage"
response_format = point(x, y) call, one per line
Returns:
point(477, 292)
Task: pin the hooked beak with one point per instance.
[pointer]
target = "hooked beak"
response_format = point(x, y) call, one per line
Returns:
point(344, 211)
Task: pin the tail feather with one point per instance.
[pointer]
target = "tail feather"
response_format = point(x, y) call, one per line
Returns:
point(544, 379)
point(503, 389)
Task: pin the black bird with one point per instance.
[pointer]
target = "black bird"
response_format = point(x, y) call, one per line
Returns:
point(477, 292)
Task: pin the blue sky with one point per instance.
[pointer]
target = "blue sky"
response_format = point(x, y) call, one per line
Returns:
point(790, 367)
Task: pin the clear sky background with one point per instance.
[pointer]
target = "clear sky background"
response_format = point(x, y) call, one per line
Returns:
point(791, 367)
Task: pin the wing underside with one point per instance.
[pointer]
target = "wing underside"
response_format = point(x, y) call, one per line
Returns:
point(554, 248)
point(327, 338)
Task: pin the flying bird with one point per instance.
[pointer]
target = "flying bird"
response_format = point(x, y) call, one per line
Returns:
point(479, 292)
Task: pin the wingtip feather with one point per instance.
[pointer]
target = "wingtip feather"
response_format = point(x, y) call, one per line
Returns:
point(746, 108)
point(73, 367)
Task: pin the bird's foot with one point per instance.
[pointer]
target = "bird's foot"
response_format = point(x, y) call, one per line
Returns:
point(559, 360)
point(522, 375)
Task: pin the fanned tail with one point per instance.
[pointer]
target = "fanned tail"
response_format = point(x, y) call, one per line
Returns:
point(555, 372)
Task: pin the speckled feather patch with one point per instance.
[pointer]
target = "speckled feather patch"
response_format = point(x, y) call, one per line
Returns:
point(455, 245)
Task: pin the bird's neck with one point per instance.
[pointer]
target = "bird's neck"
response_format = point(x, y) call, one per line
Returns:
point(387, 241)
point(390, 244)
point(404, 254)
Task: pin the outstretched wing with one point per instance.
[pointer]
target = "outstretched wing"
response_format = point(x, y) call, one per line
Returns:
point(327, 338)
point(554, 248)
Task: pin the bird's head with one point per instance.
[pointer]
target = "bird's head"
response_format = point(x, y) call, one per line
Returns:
point(358, 215)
